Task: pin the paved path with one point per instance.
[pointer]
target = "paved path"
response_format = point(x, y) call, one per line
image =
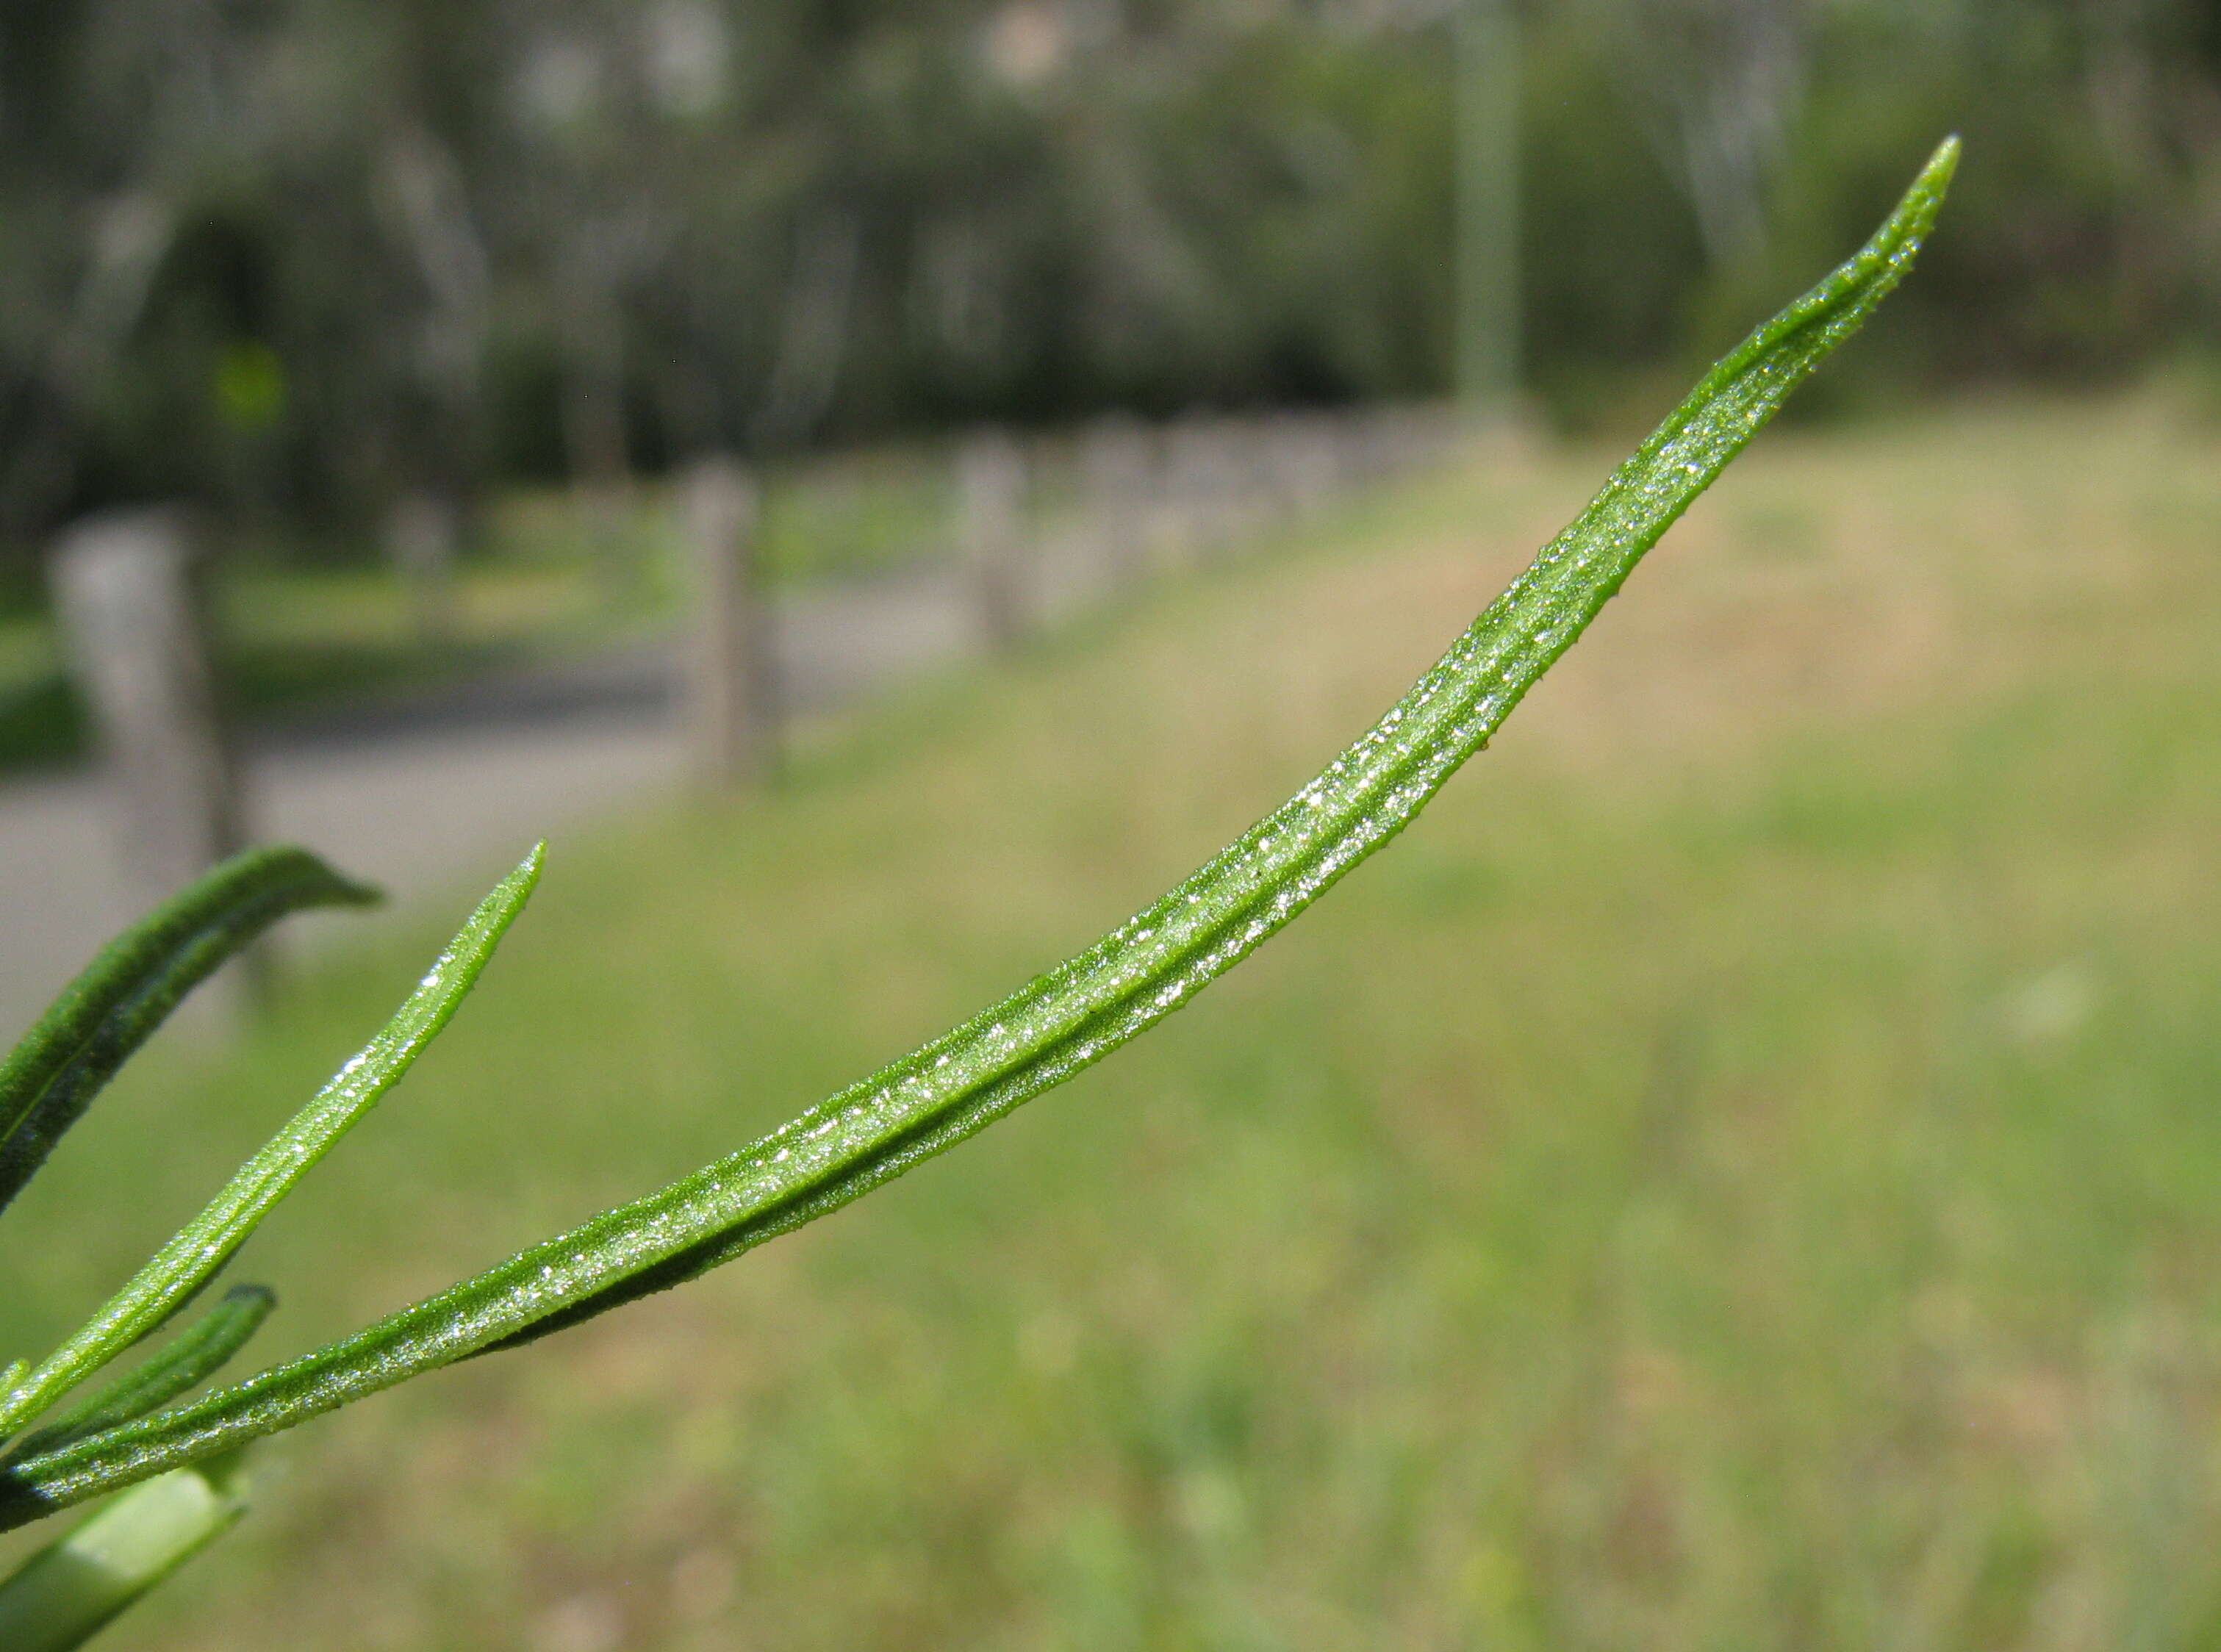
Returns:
point(419, 794)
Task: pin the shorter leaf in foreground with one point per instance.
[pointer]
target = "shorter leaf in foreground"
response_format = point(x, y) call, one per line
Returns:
point(50, 1077)
point(192, 1256)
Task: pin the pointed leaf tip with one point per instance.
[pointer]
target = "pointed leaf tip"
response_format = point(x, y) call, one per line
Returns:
point(951, 1087)
point(513, 890)
point(49, 1079)
point(192, 1256)
point(1916, 211)
point(1937, 175)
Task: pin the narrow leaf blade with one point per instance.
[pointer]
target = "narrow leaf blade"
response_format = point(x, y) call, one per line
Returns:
point(51, 1076)
point(960, 1082)
point(190, 1359)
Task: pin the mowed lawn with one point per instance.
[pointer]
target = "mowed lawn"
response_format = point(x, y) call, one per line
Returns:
point(1744, 1171)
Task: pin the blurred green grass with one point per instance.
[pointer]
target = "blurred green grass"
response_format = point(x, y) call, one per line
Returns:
point(1745, 1170)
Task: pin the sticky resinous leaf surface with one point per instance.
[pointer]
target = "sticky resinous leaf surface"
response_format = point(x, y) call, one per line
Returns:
point(1079, 1011)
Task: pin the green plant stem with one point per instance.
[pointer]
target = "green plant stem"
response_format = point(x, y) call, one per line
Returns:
point(70, 1590)
point(1151, 966)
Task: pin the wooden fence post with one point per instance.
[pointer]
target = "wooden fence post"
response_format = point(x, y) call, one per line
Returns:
point(1246, 457)
point(1304, 463)
point(420, 542)
point(1117, 461)
point(734, 677)
point(136, 636)
point(1192, 489)
point(991, 483)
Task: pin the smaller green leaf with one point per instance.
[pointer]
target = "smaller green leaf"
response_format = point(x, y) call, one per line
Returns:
point(51, 1076)
point(70, 1590)
point(13, 1374)
point(191, 1360)
point(191, 1257)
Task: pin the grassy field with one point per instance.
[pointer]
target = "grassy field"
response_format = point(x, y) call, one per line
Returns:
point(1743, 1171)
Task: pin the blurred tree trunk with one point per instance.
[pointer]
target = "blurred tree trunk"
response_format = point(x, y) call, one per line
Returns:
point(813, 332)
point(1487, 206)
point(428, 210)
point(1720, 84)
point(2153, 91)
point(130, 235)
point(596, 448)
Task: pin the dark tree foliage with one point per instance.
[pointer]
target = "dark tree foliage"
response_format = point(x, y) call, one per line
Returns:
point(286, 257)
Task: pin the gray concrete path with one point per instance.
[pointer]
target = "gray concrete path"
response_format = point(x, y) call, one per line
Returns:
point(419, 794)
point(451, 785)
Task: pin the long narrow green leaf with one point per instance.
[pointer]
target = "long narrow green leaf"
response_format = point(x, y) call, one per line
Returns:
point(51, 1076)
point(191, 1257)
point(190, 1359)
point(1144, 970)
